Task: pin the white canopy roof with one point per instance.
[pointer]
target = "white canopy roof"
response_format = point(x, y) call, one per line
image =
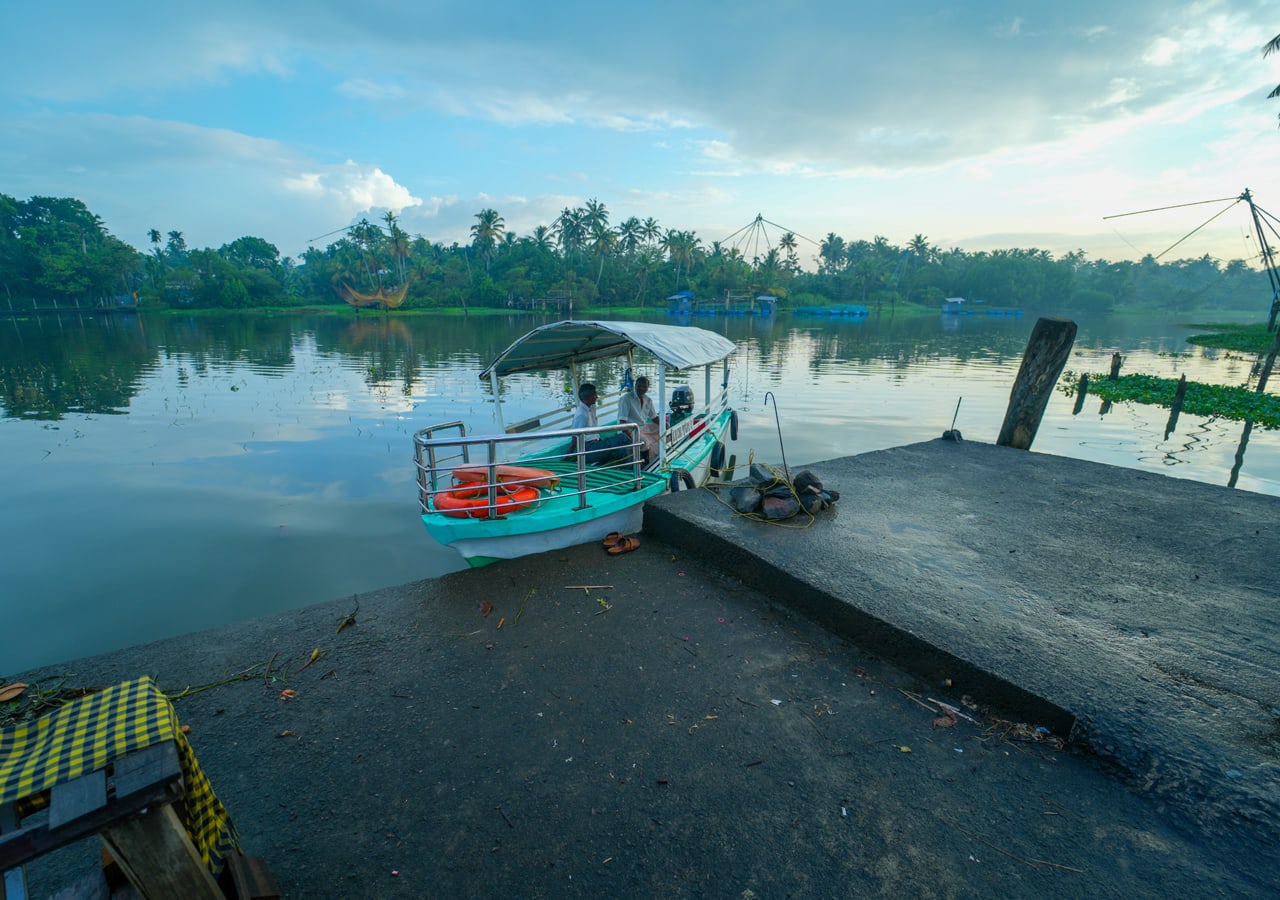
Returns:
point(563, 344)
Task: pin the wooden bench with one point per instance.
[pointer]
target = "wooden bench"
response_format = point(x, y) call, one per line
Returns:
point(129, 803)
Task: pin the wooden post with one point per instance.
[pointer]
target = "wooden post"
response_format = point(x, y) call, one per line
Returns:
point(1116, 359)
point(1047, 352)
point(158, 858)
point(1174, 412)
point(1081, 392)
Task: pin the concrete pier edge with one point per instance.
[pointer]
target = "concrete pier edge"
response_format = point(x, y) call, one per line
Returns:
point(871, 633)
point(1128, 610)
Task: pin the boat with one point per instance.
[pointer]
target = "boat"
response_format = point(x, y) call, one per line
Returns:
point(533, 485)
point(853, 311)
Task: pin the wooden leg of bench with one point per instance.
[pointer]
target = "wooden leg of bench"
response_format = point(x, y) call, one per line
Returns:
point(251, 878)
point(158, 857)
point(13, 883)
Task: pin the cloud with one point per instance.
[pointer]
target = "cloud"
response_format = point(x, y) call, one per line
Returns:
point(364, 89)
point(239, 184)
point(354, 187)
point(292, 117)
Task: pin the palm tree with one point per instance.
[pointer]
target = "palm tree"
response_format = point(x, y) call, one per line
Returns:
point(651, 231)
point(768, 273)
point(399, 245)
point(155, 263)
point(602, 242)
point(542, 237)
point(787, 243)
point(647, 260)
point(680, 247)
point(366, 236)
point(486, 233)
point(831, 252)
point(630, 234)
point(1272, 46)
point(867, 273)
point(919, 245)
point(595, 215)
point(177, 247)
point(570, 231)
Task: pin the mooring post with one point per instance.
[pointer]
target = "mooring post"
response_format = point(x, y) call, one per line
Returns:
point(1174, 412)
point(1081, 392)
point(1047, 352)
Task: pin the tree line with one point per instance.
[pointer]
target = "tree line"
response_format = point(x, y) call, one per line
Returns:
point(55, 251)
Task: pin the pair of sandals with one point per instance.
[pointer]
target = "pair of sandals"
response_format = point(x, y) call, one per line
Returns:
point(616, 543)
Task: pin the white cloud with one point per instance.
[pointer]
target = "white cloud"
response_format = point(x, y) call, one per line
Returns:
point(355, 187)
point(274, 119)
point(364, 89)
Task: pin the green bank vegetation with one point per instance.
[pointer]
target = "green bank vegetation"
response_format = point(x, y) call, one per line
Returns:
point(1239, 338)
point(54, 252)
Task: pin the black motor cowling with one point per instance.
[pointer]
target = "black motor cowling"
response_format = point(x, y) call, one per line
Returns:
point(681, 402)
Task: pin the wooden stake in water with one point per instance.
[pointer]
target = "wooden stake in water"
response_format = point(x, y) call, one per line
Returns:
point(1046, 354)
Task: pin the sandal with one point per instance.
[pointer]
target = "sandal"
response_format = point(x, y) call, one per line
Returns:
point(612, 538)
point(625, 545)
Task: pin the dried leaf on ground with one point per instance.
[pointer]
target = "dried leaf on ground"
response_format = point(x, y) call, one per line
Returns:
point(12, 691)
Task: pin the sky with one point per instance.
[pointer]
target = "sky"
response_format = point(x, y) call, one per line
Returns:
point(980, 125)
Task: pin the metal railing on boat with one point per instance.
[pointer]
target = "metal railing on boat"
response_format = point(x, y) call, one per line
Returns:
point(562, 453)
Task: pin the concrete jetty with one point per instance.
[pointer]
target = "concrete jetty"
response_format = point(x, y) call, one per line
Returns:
point(1137, 613)
point(742, 710)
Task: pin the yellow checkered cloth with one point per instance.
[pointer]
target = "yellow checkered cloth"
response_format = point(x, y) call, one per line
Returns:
point(87, 734)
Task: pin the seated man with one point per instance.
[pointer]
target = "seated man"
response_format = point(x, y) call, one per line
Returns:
point(637, 406)
point(599, 449)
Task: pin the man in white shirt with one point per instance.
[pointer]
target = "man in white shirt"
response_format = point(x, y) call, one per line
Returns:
point(637, 406)
point(599, 449)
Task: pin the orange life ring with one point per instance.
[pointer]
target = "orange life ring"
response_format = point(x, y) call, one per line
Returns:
point(523, 475)
point(472, 502)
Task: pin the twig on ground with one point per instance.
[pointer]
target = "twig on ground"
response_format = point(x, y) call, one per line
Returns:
point(1030, 862)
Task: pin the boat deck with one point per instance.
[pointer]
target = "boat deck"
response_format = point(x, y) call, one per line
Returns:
point(609, 479)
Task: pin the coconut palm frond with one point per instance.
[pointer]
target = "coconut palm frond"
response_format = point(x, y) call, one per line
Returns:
point(1272, 46)
point(1275, 92)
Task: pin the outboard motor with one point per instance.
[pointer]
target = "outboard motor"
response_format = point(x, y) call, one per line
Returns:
point(681, 403)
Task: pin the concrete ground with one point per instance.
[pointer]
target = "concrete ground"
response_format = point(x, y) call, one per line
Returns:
point(739, 710)
point(1137, 613)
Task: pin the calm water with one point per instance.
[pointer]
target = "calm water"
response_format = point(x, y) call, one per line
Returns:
point(163, 475)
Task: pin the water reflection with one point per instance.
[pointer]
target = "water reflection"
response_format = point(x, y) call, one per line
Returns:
point(201, 469)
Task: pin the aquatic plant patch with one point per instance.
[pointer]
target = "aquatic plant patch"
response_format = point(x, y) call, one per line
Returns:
point(1240, 338)
point(1240, 403)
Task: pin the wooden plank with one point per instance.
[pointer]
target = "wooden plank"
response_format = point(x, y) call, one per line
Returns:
point(141, 769)
point(13, 881)
point(158, 858)
point(26, 844)
point(13, 885)
point(252, 878)
point(78, 797)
